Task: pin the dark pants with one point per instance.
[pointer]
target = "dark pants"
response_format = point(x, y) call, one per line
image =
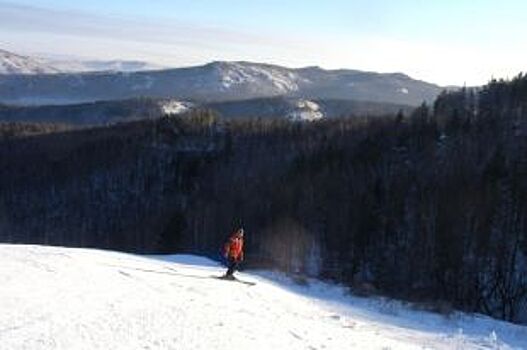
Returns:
point(232, 265)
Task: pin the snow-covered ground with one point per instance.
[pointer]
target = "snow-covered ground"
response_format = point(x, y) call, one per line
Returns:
point(305, 110)
point(233, 74)
point(58, 298)
point(173, 107)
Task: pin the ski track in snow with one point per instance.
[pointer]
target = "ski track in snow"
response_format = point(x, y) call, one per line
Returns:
point(63, 298)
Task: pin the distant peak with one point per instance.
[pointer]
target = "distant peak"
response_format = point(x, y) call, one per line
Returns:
point(311, 68)
point(399, 75)
point(11, 63)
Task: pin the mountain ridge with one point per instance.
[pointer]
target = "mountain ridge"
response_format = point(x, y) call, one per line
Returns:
point(217, 81)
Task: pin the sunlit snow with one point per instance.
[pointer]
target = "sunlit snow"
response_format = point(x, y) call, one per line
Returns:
point(59, 298)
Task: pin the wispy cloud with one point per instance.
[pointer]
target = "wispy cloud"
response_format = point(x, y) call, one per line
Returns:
point(176, 42)
point(34, 29)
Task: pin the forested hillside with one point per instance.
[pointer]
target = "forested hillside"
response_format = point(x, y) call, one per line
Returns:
point(104, 113)
point(426, 207)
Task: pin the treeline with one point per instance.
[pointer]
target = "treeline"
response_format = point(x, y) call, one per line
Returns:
point(430, 206)
point(22, 129)
point(86, 114)
point(110, 188)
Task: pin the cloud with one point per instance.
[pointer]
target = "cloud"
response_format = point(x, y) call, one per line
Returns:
point(31, 29)
point(115, 33)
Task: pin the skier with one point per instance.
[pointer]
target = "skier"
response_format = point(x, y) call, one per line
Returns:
point(233, 252)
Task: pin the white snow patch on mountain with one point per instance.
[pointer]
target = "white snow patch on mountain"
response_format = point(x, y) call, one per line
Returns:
point(306, 110)
point(173, 107)
point(60, 298)
point(234, 74)
point(404, 91)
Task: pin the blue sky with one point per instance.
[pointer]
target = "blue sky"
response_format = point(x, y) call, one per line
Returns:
point(446, 42)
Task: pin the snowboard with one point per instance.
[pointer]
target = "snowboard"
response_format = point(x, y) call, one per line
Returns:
point(234, 279)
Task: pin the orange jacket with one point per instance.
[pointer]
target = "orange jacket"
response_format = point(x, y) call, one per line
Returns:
point(234, 248)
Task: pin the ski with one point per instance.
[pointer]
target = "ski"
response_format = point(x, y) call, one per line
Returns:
point(234, 279)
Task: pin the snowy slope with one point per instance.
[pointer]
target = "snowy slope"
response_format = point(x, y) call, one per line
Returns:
point(305, 110)
point(57, 298)
point(173, 107)
point(278, 79)
point(11, 63)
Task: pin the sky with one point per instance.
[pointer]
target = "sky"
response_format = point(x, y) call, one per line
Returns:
point(447, 42)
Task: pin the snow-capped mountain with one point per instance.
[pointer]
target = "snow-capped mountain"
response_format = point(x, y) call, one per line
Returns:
point(11, 63)
point(84, 66)
point(60, 298)
point(218, 81)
